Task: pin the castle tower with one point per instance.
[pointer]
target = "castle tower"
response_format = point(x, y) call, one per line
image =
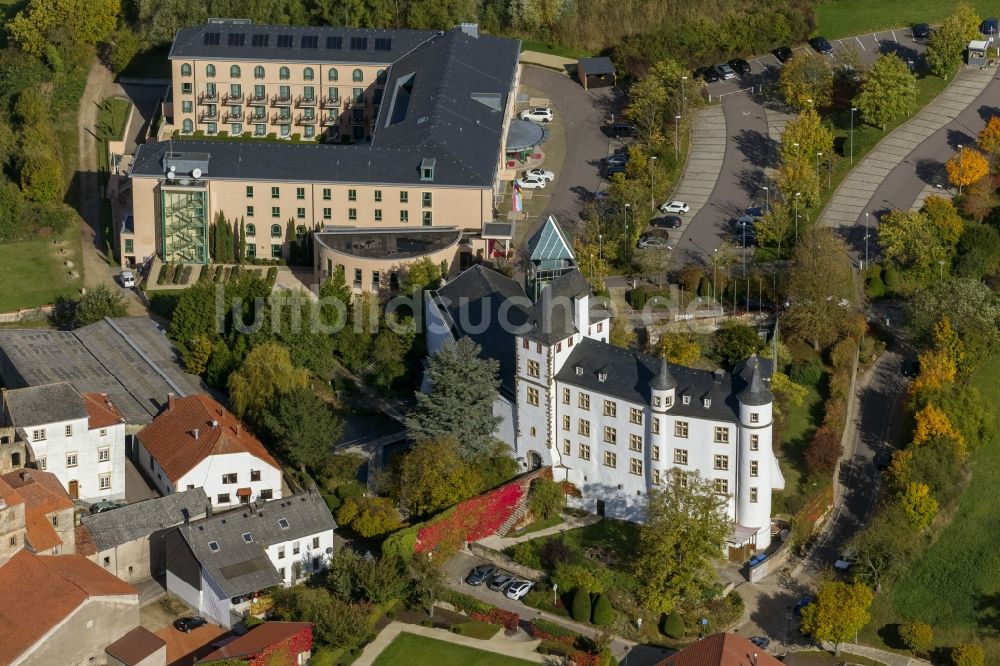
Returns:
point(756, 457)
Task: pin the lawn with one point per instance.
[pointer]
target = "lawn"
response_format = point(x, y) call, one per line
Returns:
point(800, 424)
point(539, 525)
point(552, 49)
point(617, 537)
point(33, 274)
point(844, 18)
point(955, 584)
point(412, 649)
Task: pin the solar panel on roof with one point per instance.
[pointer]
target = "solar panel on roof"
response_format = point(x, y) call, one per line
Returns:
point(212, 38)
point(359, 43)
point(260, 39)
point(310, 41)
point(285, 41)
point(237, 38)
point(334, 42)
point(383, 44)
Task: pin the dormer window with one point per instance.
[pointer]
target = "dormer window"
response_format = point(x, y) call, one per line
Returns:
point(686, 399)
point(213, 546)
point(427, 169)
point(579, 370)
point(669, 402)
point(602, 376)
point(707, 402)
point(283, 523)
point(248, 537)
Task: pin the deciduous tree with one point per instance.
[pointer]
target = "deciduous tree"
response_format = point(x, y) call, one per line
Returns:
point(369, 516)
point(968, 655)
point(797, 173)
point(433, 476)
point(931, 423)
point(910, 239)
point(304, 427)
point(945, 218)
point(947, 44)
point(804, 136)
point(421, 274)
point(266, 373)
point(98, 303)
point(918, 636)
point(735, 342)
point(677, 348)
point(824, 452)
point(972, 308)
point(888, 92)
point(937, 370)
point(966, 167)
point(648, 104)
point(83, 22)
point(918, 504)
point(883, 547)
point(685, 524)
point(989, 136)
point(547, 498)
point(839, 612)
point(807, 81)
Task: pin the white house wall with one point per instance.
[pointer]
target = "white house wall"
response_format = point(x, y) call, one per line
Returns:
point(208, 475)
point(305, 555)
point(51, 454)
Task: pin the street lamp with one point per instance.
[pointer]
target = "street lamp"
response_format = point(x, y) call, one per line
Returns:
point(625, 217)
point(795, 204)
point(960, 169)
point(853, 109)
point(818, 155)
point(683, 95)
point(941, 269)
point(652, 204)
point(767, 195)
point(866, 238)
point(677, 124)
point(600, 246)
point(715, 259)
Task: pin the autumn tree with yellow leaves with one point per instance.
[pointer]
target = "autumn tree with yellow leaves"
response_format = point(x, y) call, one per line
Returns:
point(931, 422)
point(966, 167)
point(918, 504)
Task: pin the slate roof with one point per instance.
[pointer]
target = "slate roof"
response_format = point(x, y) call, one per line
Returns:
point(37, 592)
point(39, 405)
point(551, 317)
point(135, 646)
point(596, 66)
point(43, 495)
point(171, 437)
point(191, 43)
point(664, 380)
point(756, 392)
point(256, 641)
point(130, 359)
point(443, 101)
point(135, 521)
point(240, 567)
point(721, 650)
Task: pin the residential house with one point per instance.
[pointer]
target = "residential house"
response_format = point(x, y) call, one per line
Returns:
point(78, 437)
point(612, 421)
point(61, 609)
point(279, 643)
point(139, 647)
point(721, 650)
point(37, 514)
point(14, 451)
point(197, 443)
point(129, 541)
point(219, 564)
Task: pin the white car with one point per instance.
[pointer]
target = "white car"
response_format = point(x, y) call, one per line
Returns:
point(539, 114)
point(540, 173)
point(845, 561)
point(518, 589)
point(127, 279)
point(531, 183)
point(675, 207)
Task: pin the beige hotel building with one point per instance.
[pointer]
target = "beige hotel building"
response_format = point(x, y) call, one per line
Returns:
point(394, 151)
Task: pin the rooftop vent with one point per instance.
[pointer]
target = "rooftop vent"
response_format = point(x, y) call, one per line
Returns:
point(685, 400)
point(471, 29)
point(194, 433)
point(579, 369)
point(707, 402)
point(602, 376)
point(215, 424)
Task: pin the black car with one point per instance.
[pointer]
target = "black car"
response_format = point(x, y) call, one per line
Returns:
point(882, 460)
point(783, 54)
point(499, 581)
point(666, 222)
point(186, 624)
point(479, 574)
point(821, 45)
point(708, 74)
point(921, 31)
point(910, 369)
point(989, 27)
point(761, 641)
point(619, 130)
point(612, 169)
point(741, 66)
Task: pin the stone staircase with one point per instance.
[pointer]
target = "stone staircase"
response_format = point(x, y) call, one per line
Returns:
point(514, 518)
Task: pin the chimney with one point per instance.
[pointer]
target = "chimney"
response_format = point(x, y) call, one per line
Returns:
point(215, 424)
point(195, 433)
point(236, 428)
point(170, 401)
point(754, 659)
point(187, 516)
point(208, 509)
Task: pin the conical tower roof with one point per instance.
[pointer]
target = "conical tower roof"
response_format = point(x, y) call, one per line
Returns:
point(663, 381)
point(756, 393)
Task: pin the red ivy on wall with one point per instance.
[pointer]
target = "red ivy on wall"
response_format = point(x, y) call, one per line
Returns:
point(286, 650)
point(502, 618)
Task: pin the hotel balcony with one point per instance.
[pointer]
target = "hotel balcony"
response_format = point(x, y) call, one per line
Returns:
point(330, 103)
point(230, 117)
point(257, 118)
point(256, 99)
point(209, 98)
point(280, 119)
point(305, 101)
point(208, 116)
point(329, 121)
point(232, 99)
point(281, 100)
point(306, 120)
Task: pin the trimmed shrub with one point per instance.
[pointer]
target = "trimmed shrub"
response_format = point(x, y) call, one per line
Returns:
point(555, 648)
point(891, 279)
point(673, 626)
point(875, 287)
point(525, 553)
point(481, 630)
point(603, 614)
point(161, 277)
point(968, 655)
point(581, 608)
point(807, 374)
point(575, 576)
point(349, 489)
point(918, 636)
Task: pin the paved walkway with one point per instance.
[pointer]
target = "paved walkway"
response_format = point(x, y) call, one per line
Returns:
point(704, 162)
point(571, 522)
point(886, 657)
point(549, 61)
point(519, 646)
point(855, 193)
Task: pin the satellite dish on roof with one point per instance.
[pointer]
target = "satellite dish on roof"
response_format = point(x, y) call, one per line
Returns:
point(170, 172)
point(196, 172)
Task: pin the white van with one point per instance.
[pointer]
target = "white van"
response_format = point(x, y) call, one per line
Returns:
point(127, 279)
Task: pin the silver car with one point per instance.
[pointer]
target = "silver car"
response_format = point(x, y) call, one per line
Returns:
point(725, 72)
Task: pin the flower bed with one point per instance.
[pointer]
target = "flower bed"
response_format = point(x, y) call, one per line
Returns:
point(502, 618)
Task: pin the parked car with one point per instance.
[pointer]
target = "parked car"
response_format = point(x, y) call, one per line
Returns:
point(674, 207)
point(725, 72)
point(651, 242)
point(104, 505)
point(619, 130)
point(708, 74)
point(882, 460)
point(756, 211)
point(127, 279)
point(761, 641)
point(742, 221)
point(479, 574)
point(910, 369)
point(617, 158)
point(741, 66)
point(666, 222)
point(518, 589)
point(186, 624)
point(846, 559)
point(541, 173)
point(538, 114)
point(989, 27)
point(802, 603)
point(612, 169)
point(499, 581)
point(821, 45)
point(921, 31)
point(532, 183)
point(783, 54)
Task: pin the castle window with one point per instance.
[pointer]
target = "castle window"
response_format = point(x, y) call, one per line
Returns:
point(680, 429)
point(635, 416)
point(754, 417)
point(566, 423)
point(583, 401)
point(610, 459)
point(533, 369)
point(722, 463)
point(753, 495)
point(532, 396)
point(565, 396)
point(635, 442)
point(669, 402)
point(753, 467)
point(680, 457)
point(721, 435)
point(635, 466)
point(584, 452)
point(610, 408)
point(533, 431)
point(656, 477)
point(655, 426)
point(754, 442)
point(657, 401)
point(721, 486)
point(610, 435)
point(655, 453)
point(567, 446)
point(583, 427)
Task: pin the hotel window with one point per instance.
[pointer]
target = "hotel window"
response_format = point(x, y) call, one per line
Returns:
point(754, 442)
point(566, 423)
point(721, 486)
point(104, 481)
point(655, 453)
point(43, 462)
point(426, 199)
point(565, 394)
point(38, 435)
point(258, 72)
point(357, 75)
point(327, 194)
point(635, 466)
point(635, 442)
point(655, 426)
point(236, 129)
point(378, 214)
point(229, 478)
point(186, 88)
point(583, 401)
point(249, 211)
point(284, 74)
point(251, 251)
point(276, 251)
point(69, 431)
point(610, 435)
point(680, 457)
point(567, 446)
point(754, 417)
point(249, 191)
point(352, 195)
point(300, 213)
point(532, 396)
point(358, 94)
point(378, 195)
point(103, 454)
point(426, 219)
point(610, 459)
point(251, 230)
point(404, 197)
point(275, 212)
point(753, 467)
point(533, 369)
point(610, 408)
point(404, 216)
point(327, 213)
point(721, 463)
point(307, 73)
point(753, 495)
point(71, 460)
point(187, 106)
point(129, 246)
point(352, 213)
point(635, 416)
point(300, 193)
point(680, 429)
point(209, 70)
point(234, 72)
point(275, 192)
point(275, 229)
point(583, 427)
point(585, 452)
point(185, 70)
point(331, 74)
point(656, 477)
point(721, 435)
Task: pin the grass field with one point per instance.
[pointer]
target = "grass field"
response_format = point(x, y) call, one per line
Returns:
point(33, 274)
point(799, 427)
point(955, 585)
point(412, 649)
point(843, 18)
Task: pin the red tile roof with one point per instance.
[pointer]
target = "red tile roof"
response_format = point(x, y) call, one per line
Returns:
point(101, 411)
point(170, 437)
point(37, 592)
point(721, 650)
point(257, 640)
point(43, 495)
point(135, 646)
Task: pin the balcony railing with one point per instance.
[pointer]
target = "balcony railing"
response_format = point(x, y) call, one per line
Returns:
point(330, 102)
point(254, 98)
point(232, 99)
point(230, 117)
point(281, 120)
point(256, 117)
point(305, 101)
point(208, 98)
point(208, 116)
point(281, 100)
point(306, 120)
point(327, 121)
